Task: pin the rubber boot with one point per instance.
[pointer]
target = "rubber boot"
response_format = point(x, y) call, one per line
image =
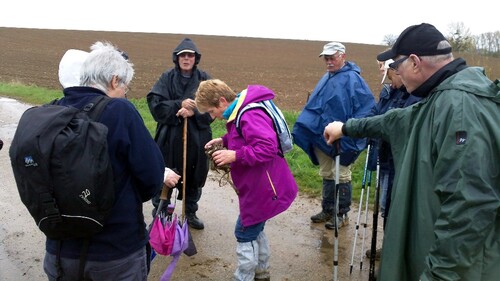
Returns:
point(262, 270)
point(248, 258)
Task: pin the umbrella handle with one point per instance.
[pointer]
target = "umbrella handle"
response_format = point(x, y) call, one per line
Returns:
point(184, 160)
point(164, 192)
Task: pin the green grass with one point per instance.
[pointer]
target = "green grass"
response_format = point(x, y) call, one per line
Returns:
point(305, 173)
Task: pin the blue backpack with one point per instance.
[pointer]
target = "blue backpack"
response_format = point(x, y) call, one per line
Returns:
point(280, 126)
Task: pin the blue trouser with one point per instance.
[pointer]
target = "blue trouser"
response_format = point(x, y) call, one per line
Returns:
point(384, 186)
point(249, 233)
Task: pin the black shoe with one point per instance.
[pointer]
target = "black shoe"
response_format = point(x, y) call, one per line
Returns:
point(194, 222)
point(378, 254)
point(342, 221)
point(321, 217)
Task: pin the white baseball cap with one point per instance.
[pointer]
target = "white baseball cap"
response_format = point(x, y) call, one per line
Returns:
point(332, 48)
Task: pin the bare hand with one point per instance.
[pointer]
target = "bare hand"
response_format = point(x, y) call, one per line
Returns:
point(188, 104)
point(222, 157)
point(170, 178)
point(185, 113)
point(333, 131)
point(213, 142)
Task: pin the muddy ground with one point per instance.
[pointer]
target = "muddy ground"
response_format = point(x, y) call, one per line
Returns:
point(300, 250)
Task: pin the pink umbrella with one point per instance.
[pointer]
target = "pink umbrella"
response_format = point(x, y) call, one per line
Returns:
point(162, 235)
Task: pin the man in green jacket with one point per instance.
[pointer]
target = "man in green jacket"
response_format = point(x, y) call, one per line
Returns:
point(444, 222)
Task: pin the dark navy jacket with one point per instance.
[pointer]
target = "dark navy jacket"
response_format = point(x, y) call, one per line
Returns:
point(137, 164)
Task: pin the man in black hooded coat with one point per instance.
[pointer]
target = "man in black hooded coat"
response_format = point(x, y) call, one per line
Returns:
point(170, 101)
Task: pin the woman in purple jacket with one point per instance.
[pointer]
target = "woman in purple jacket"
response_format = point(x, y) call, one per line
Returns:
point(262, 178)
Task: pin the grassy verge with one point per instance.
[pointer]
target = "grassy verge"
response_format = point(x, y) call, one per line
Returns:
point(305, 173)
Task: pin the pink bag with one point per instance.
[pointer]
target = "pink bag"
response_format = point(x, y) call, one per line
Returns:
point(162, 235)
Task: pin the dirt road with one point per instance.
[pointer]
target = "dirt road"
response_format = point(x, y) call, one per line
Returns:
point(300, 250)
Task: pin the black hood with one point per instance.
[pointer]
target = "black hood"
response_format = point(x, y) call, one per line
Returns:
point(186, 44)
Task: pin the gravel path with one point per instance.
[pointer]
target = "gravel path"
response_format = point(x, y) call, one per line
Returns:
point(300, 250)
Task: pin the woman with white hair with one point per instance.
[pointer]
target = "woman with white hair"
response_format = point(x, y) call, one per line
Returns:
point(119, 251)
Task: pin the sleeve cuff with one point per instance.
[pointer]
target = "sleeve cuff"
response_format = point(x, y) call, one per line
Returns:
point(344, 130)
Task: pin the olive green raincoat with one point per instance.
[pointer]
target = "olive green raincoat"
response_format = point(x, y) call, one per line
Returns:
point(444, 221)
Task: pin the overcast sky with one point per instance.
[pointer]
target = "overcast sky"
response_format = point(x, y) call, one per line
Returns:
point(362, 21)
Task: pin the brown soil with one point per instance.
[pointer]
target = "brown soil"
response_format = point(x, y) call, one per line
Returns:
point(290, 67)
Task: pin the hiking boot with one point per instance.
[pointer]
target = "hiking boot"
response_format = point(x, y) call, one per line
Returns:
point(378, 253)
point(321, 217)
point(194, 222)
point(342, 220)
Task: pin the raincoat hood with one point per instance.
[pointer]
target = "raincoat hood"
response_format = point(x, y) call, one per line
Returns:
point(253, 93)
point(186, 44)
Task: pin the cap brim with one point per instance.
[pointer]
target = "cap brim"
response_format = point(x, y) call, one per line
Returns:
point(185, 51)
point(389, 54)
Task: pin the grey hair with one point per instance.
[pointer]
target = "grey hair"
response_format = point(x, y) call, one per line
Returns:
point(439, 58)
point(103, 63)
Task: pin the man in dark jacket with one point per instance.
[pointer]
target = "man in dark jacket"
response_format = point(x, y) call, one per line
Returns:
point(170, 101)
point(444, 221)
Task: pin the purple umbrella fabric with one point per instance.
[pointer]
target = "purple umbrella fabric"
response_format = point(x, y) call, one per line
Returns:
point(162, 235)
point(180, 245)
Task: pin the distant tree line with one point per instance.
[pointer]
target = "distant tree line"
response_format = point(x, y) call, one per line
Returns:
point(460, 38)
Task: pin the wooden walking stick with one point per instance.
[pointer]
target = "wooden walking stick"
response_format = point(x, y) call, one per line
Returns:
point(191, 249)
point(184, 164)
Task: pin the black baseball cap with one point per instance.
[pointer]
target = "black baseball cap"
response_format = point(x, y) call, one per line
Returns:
point(421, 40)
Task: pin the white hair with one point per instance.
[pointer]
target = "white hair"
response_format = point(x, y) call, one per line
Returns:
point(103, 63)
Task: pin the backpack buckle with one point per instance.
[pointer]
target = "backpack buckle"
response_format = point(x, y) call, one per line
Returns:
point(50, 208)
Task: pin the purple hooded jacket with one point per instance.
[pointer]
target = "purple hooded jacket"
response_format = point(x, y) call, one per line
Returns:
point(265, 184)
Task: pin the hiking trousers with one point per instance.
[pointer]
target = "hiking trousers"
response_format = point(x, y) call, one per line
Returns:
point(130, 268)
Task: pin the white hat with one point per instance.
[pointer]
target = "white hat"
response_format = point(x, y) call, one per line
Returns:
point(331, 48)
point(69, 67)
point(185, 51)
point(386, 68)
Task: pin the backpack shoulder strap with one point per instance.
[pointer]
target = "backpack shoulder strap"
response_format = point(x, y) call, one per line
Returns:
point(95, 108)
point(247, 107)
point(53, 102)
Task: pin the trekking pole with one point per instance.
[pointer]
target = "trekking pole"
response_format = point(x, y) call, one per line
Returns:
point(363, 182)
point(366, 218)
point(335, 212)
point(371, 276)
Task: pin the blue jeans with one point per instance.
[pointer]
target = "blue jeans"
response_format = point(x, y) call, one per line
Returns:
point(249, 233)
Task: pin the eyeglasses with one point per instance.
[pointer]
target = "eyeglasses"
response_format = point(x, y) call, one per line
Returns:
point(127, 88)
point(395, 65)
point(332, 57)
point(189, 55)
